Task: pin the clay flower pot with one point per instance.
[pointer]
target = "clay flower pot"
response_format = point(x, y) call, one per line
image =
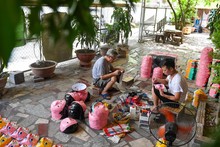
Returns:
point(85, 56)
point(3, 82)
point(43, 69)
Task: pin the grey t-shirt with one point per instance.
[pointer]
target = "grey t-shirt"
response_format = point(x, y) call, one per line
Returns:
point(101, 67)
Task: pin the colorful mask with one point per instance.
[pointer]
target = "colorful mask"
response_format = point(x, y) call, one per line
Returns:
point(59, 110)
point(45, 142)
point(68, 125)
point(30, 140)
point(20, 133)
point(13, 143)
point(10, 128)
point(4, 140)
point(3, 122)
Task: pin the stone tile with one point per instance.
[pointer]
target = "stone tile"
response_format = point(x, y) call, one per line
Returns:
point(14, 118)
point(21, 109)
point(98, 141)
point(60, 95)
point(78, 141)
point(72, 145)
point(19, 95)
point(31, 128)
point(123, 143)
point(27, 107)
point(135, 135)
point(87, 129)
point(42, 121)
point(22, 115)
point(63, 87)
point(26, 101)
point(13, 105)
point(47, 101)
point(141, 143)
point(62, 137)
point(53, 129)
point(39, 111)
point(28, 121)
point(142, 132)
point(81, 134)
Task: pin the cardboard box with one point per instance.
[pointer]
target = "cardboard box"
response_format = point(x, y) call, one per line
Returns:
point(16, 77)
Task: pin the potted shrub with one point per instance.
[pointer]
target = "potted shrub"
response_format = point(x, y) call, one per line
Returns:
point(3, 77)
point(88, 44)
point(43, 68)
point(120, 30)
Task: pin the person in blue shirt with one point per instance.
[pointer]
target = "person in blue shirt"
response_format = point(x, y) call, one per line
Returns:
point(104, 74)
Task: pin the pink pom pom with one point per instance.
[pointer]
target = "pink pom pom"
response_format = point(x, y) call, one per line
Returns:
point(98, 117)
point(146, 67)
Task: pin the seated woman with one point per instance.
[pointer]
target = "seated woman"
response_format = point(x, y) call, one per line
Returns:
point(175, 83)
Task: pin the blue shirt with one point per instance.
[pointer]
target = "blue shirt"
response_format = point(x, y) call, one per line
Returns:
point(101, 67)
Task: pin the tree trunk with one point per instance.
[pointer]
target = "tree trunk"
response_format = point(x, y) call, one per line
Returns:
point(182, 18)
point(174, 13)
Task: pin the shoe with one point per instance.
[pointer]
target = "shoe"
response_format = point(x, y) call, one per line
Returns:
point(106, 96)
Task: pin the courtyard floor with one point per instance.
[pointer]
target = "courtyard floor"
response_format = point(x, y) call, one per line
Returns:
point(28, 103)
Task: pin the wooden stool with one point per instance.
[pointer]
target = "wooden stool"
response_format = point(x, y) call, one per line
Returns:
point(177, 40)
point(94, 90)
point(160, 36)
point(176, 110)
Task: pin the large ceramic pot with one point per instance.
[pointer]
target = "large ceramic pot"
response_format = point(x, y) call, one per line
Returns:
point(85, 56)
point(3, 82)
point(59, 50)
point(43, 69)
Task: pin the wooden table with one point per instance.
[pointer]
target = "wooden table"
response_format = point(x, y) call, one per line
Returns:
point(173, 36)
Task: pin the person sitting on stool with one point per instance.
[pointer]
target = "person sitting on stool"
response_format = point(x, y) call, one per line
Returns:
point(104, 74)
point(175, 83)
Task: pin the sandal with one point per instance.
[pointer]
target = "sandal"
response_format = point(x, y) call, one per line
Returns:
point(106, 96)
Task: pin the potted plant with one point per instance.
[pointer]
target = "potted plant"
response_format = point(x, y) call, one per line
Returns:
point(120, 30)
point(59, 50)
point(3, 77)
point(43, 68)
point(79, 10)
point(88, 44)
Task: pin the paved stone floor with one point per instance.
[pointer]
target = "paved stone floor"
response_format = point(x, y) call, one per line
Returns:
point(28, 103)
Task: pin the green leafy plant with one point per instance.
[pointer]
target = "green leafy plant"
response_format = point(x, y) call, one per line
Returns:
point(77, 9)
point(2, 74)
point(185, 10)
point(183, 13)
point(121, 27)
point(215, 39)
point(211, 21)
point(213, 17)
point(111, 36)
point(86, 40)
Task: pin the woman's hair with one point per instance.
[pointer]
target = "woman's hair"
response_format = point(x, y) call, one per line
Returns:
point(168, 63)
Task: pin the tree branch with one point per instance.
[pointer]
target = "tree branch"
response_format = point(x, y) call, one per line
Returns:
point(174, 13)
